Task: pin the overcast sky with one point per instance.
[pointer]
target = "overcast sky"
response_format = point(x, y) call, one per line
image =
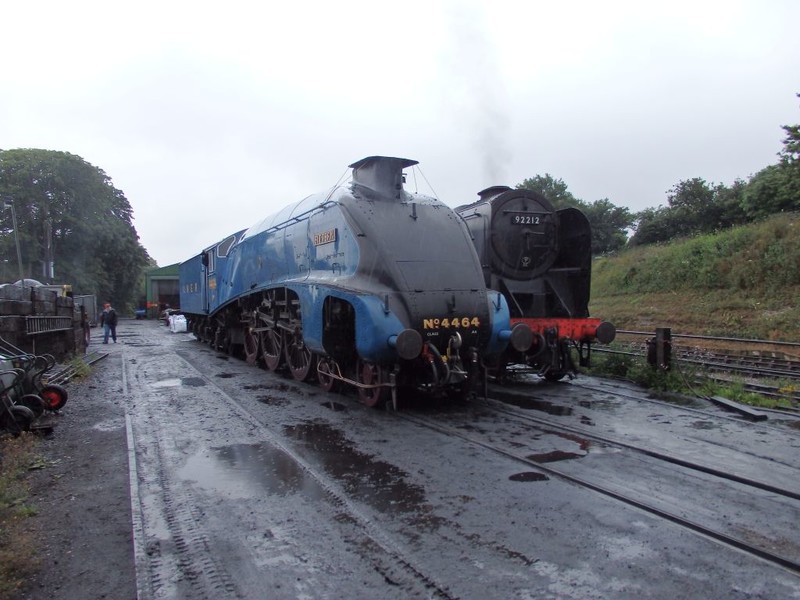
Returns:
point(211, 116)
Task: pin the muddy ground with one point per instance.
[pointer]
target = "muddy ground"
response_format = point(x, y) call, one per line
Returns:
point(83, 523)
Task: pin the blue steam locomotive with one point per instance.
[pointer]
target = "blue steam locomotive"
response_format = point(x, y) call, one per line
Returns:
point(367, 285)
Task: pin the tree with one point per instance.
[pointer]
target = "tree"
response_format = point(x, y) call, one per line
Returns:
point(69, 212)
point(693, 207)
point(729, 200)
point(609, 225)
point(790, 155)
point(790, 163)
point(653, 225)
point(770, 191)
point(551, 188)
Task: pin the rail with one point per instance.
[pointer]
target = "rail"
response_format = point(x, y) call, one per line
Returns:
point(715, 338)
point(764, 365)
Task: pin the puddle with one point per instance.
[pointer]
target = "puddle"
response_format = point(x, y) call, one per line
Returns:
point(374, 482)
point(704, 425)
point(529, 476)
point(272, 401)
point(554, 456)
point(177, 381)
point(109, 425)
point(583, 443)
point(247, 470)
point(193, 381)
point(602, 405)
point(534, 404)
point(164, 383)
point(225, 375)
point(557, 455)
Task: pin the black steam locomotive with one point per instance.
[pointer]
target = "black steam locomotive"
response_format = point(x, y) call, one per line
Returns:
point(541, 260)
point(366, 284)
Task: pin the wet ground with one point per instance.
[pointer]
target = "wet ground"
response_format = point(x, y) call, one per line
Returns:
point(247, 484)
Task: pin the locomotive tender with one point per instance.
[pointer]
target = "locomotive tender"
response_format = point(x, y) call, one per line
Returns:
point(541, 260)
point(367, 285)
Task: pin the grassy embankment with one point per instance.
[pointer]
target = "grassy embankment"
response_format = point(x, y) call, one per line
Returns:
point(742, 283)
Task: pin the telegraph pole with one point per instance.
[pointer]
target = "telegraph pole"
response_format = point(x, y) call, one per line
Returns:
point(6, 204)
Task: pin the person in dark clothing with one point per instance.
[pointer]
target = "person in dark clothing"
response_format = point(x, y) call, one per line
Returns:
point(108, 319)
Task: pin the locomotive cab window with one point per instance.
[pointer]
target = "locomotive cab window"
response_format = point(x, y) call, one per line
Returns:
point(225, 246)
point(210, 261)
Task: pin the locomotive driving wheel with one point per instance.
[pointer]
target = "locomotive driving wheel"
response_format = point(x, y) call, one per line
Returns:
point(324, 369)
point(371, 374)
point(271, 348)
point(298, 357)
point(250, 347)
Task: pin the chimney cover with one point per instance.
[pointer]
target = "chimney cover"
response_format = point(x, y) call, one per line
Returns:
point(382, 174)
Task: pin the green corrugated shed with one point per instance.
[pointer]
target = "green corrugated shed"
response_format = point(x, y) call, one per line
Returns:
point(161, 289)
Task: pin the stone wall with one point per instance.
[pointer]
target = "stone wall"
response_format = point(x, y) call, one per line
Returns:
point(18, 327)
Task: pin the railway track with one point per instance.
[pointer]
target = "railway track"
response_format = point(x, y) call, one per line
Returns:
point(498, 406)
point(750, 357)
point(756, 550)
point(790, 413)
point(763, 367)
point(177, 540)
point(66, 372)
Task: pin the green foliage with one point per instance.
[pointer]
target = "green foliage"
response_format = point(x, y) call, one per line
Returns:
point(609, 224)
point(764, 256)
point(735, 390)
point(694, 207)
point(79, 368)
point(771, 191)
point(636, 369)
point(555, 190)
point(790, 159)
point(680, 380)
point(612, 365)
point(61, 198)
